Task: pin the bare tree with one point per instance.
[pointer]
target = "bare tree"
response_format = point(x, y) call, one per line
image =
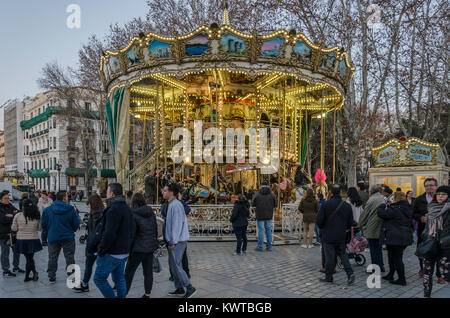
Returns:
point(55, 78)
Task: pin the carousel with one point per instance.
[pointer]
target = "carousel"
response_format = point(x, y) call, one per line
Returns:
point(224, 78)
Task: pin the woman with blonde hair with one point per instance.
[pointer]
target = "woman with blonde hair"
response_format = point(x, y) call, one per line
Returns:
point(309, 208)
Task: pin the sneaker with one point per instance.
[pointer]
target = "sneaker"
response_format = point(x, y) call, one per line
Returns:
point(258, 249)
point(324, 280)
point(9, 274)
point(18, 270)
point(44, 244)
point(145, 296)
point(398, 282)
point(316, 244)
point(244, 252)
point(310, 246)
point(351, 279)
point(28, 279)
point(52, 280)
point(81, 289)
point(304, 246)
point(440, 280)
point(190, 292)
point(236, 254)
point(178, 293)
point(269, 249)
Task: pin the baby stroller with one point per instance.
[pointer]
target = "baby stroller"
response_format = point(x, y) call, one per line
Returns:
point(356, 246)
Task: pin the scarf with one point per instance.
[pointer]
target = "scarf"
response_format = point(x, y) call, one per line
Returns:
point(435, 216)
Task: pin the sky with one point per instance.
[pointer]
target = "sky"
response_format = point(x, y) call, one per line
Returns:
point(33, 33)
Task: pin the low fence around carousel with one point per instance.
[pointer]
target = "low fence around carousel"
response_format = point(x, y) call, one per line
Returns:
point(212, 223)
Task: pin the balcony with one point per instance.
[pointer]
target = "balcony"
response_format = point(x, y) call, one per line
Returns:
point(73, 149)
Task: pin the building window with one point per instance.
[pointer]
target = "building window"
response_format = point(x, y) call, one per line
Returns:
point(54, 123)
point(54, 142)
point(40, 167)
point(54, 163)
point(71, 162)
point(87, 106)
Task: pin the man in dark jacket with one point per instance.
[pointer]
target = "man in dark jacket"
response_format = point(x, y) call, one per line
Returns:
point(335, 219)
point(114, 246)
point(420, 208)
point(239, 221)
point(264, 201)
point(7, 213)
point(60, 221)
point(150, 187)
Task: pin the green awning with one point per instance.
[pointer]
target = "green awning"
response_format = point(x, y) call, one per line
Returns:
point(108, 173)
point(41, 173)
point(79, 172)
point(50, 111)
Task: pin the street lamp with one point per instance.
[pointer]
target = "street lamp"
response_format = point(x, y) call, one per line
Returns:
point(59, 167)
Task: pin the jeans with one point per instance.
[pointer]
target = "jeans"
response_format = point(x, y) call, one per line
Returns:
point(332, 251)
point(376, 252)
point(90, 261)
point(395, 257)
point(265, 225)
point(180, 277)
point(241, 237)
point(109, 265)
point(184, 263)
point(53, 254)
point(317, 232)
point(134, 261)
point(5, 255)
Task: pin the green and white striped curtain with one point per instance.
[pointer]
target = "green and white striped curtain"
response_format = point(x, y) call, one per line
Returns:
point(306, 129)
point(117, 115)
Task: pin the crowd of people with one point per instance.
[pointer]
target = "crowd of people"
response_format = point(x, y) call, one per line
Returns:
point(124, 232)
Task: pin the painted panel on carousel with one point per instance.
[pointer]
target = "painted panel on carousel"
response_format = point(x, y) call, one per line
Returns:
point(342, 68)
point(328, 61)
point(387, 155)
point(232, 44)
point(114, 64)
point(441, 158)
point(160, 50)
point(197, 45)
point(420, 153)
point(133, 56)
point(272, 48)
point(302, 52)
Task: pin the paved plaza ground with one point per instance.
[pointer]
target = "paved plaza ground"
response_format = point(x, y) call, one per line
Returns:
point(287, 272)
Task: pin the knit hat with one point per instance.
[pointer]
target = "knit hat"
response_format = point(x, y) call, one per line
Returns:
point(445, 189)
point(388, 190)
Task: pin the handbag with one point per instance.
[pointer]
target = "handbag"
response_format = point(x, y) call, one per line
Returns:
point(156, 264)
point(428, 248)
point(12, 239)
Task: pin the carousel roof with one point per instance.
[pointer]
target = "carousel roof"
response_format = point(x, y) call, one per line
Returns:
point(233, 57)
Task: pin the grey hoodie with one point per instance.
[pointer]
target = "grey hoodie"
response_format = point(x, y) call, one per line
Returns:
point(176, 223)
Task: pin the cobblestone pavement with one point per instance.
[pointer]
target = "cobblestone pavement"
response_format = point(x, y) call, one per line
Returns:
point(288, 272)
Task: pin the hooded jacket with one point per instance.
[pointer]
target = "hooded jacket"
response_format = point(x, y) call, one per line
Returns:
point(396, 229)
point(93, 220)
point(264, 201)
point(240, 214)
point(144, 234)
point(60, 221)
point(6, 222)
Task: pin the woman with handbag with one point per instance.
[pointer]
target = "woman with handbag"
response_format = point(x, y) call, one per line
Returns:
point(7, 213)
point(144, 243)
point(396, 233)
point(436, 239)
point(27, 224)
point(95, 214)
